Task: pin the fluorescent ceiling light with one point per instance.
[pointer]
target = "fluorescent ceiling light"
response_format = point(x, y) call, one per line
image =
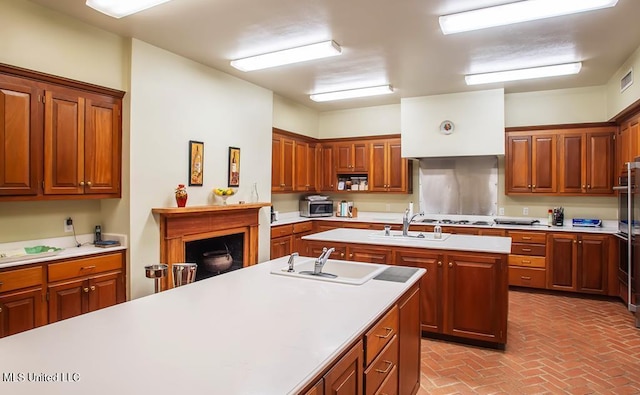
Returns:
point(122, 8)
point(524, 74)
point(293, 55)
point(352, 93)
point(520, 11)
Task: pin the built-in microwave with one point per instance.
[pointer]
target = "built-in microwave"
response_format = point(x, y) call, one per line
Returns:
point(316, 208)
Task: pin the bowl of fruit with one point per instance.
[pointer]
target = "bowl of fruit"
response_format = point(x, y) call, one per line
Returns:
point(224, 194)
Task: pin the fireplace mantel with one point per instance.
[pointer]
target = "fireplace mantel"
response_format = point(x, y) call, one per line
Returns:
point(179, 225)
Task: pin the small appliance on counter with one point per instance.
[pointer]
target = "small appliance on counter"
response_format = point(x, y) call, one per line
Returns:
point(586, 223)
point(316, 206)
point(558, 216)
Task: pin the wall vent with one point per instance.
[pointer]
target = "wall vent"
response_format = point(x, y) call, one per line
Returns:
point(626, 81)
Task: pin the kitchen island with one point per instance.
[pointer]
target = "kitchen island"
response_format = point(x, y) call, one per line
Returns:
point(464, 295)
point(244, 332)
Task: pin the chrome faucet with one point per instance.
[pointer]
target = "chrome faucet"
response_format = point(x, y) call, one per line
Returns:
point(291, 258)
point(322, 259)
point(406, 221)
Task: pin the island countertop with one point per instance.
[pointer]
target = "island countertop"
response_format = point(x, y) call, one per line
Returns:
point(244, 332)
point(453, 242)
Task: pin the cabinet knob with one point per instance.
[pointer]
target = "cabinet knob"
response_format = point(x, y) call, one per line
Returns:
point(450, 264)
point(342, 255)
point(580, 242)
point(583, 186)
point(529, 186)
point(0, 309)
point(350, 255)
point(89, 183)
point(534, 185)
point(81, 183)
point(93, 287)
point(588, 186)
point(574, 242)
point(439, 263)
point(85, 289)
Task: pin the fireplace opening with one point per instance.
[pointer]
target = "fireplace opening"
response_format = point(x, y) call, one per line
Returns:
point(217, 255)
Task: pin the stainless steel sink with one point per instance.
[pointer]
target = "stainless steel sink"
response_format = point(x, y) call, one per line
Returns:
point(414, 237)
point(346, 272)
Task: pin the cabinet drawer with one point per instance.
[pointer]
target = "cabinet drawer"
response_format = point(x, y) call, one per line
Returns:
point(528, 237)
point(84, 267)
point(390, 384)
point(20, 278)
point(302, 227)
point(381, 367)
point(527, 277)
point(378, 336)
point(283, 230)
point(527, 261)
point(528, 249)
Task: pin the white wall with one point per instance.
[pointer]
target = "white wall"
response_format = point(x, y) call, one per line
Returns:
point(580, 105)
point(365, 121)
point(294, 117)
point(616, 100)
point(175, 103)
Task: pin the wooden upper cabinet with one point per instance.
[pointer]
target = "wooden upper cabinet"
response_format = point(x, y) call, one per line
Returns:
point(326, 168)
point(351, 157)
point(20, 136)
point(304, 167)
point(102, 146)
point(623, 148)
point(282, 155)
point(388, 170)
point(587, 161)
point(531, 163)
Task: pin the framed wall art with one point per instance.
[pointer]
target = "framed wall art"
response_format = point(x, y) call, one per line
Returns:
point(234, 167)
point(196, 163)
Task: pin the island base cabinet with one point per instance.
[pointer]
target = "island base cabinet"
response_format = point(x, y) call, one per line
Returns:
point(408, 375)
point(346, 376)
point(21, 310)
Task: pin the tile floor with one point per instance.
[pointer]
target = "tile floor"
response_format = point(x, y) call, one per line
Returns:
point(556, 344)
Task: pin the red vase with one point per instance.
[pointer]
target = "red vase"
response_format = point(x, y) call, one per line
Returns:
point(182, 201)
point(181, 195)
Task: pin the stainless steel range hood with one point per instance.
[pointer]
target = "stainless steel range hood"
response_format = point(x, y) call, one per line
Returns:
point(459, 185)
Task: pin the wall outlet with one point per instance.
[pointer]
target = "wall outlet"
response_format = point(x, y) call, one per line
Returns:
point(525, 211)
point(501, 211)
point(68, 225)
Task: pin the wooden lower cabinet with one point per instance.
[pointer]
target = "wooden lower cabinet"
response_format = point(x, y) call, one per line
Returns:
point(281, 246)
point(369, 254)
point(21, 310)
point(406, 379)
point(346, 376)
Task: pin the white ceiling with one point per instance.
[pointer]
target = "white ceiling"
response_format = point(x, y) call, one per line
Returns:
point(395, 42)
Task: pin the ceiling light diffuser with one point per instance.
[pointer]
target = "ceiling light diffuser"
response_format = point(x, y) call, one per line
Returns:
point(352, 93)
point(122, 8)
point(520, 11)
point(293, 55)
point(524, 74)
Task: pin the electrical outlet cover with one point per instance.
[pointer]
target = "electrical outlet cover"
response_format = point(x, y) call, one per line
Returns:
point(525, 211)
point(501, 211)
point(67, 228)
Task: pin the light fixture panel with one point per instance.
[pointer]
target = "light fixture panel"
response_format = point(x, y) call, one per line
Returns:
point(352, 93)
point(524, 74)
point(292, 55)
point(121, 8)
point(520, 11)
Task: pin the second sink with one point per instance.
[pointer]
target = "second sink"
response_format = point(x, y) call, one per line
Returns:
point(347, 272)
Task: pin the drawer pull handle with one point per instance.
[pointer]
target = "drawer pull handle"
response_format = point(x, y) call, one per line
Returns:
point(88, 267)
point(526, 249)
point(525, 277)
point(93, 287)
point(526, 238)
point(389, 366)
point(85, 289)
point(525, 261)
point(389, 332)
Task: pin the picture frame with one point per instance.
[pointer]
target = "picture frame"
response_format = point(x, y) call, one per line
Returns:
point(196, 163)
point(234, 167)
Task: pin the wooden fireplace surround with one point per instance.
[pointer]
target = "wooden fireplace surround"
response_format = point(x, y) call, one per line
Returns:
point(179, 225)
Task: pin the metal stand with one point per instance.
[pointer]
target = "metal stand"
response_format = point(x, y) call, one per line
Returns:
point(157, 272)
point(183, 273)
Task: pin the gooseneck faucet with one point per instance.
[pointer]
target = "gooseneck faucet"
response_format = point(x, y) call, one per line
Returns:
point(406, 221)
point(322, 259)
point(290, 263)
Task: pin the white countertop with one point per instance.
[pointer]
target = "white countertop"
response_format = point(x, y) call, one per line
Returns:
point(608, 226)
point(244, 332)
point(71, 250)
point(492, 244)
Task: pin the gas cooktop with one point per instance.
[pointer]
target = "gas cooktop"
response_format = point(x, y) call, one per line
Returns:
point(447, 221)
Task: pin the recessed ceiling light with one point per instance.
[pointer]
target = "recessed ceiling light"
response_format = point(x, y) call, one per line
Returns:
point(524, 74)
point(122, 8)
point(520, 11)
point(352, 93)
point(293, 55)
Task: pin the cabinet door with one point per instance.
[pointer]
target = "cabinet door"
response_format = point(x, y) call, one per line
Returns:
point(431, 289)
point(397, 167)
point(409, 348)
point(562, 261)
point(103, 290)
point(518, 164)
point(299, 245)
point(314, 249)
point(623, 152)
point(301, 167)
point(360, 157)
point(102, 146)
point(592, 264)
point(67, 300)
point(572, 163)
point(369, 255)
point(276, 163)
point(344, 157)
point(64, 143)
point(21, 311)
point(327, 169)
point(281, 246)
point(476, 307)
point(378, 170)
point(346, 376)
point(599, 164)
point(20, 136)
point(543, 164)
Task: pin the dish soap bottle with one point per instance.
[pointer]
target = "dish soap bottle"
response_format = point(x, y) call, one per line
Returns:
point(550, 218)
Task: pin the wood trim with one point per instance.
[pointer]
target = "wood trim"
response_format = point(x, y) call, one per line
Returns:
point(52, 79)
point(559, 126)
point(632, 111)
point(185, 211)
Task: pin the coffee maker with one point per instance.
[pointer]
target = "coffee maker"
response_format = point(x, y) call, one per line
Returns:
point(558, 216)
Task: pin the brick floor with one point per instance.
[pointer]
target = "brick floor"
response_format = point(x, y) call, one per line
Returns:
point(557, 344)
